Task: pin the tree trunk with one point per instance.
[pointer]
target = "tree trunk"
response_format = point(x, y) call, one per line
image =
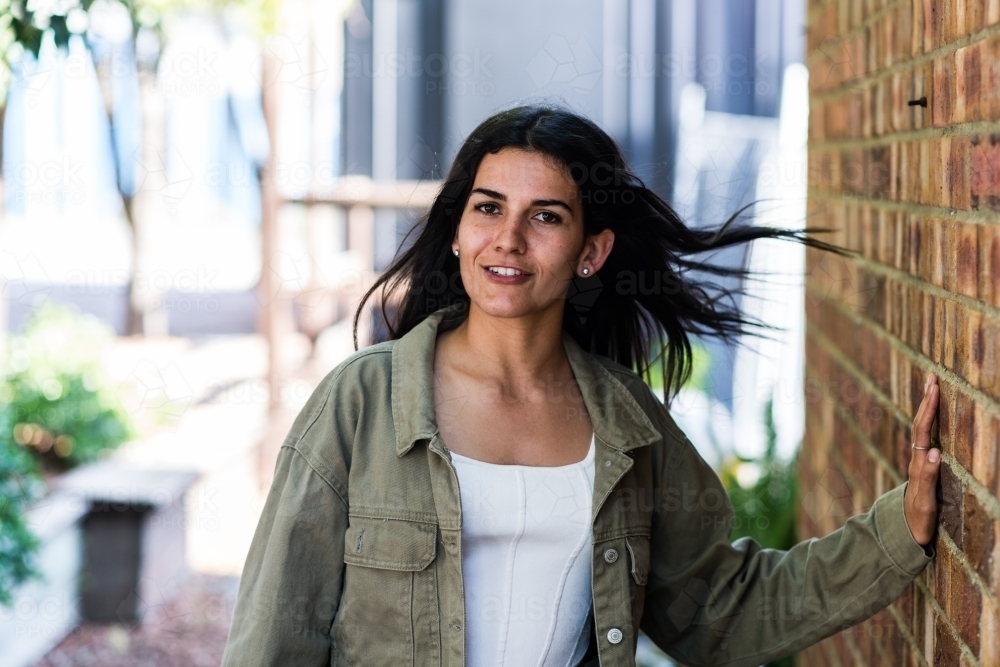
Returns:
point(137, 304)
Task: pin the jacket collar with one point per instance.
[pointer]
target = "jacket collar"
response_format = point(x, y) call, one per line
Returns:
point(616, 416)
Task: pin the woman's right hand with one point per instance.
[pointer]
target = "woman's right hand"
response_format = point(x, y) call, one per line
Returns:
point(920, 502)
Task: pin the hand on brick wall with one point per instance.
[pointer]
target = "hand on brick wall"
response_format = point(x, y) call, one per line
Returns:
point(920, 502)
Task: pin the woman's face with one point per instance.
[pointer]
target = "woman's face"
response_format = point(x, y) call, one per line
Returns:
point(521, 237)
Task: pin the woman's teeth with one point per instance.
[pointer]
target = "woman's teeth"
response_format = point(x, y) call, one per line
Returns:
point(501, 271)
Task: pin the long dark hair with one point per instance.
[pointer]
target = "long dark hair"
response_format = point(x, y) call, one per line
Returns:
point(651, 243)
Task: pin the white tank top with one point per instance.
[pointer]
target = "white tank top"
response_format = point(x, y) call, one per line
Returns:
point(526, 543)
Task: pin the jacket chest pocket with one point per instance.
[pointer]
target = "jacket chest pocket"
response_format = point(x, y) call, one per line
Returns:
point(389, 596)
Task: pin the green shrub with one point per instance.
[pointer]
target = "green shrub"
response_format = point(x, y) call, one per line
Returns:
point(55, 413)
point(62, 411)
point(20, 484)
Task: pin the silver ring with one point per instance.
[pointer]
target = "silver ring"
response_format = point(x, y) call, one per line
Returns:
point(914, 446)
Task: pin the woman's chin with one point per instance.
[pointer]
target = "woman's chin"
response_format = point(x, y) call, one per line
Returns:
point(506, 307)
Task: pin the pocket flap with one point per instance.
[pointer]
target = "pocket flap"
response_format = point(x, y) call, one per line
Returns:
point(390, 544)
point(638, 551)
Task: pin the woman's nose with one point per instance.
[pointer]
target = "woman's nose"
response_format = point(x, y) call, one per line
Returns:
point(510, 235)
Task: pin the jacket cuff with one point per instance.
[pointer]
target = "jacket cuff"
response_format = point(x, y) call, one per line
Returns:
point(894, 534)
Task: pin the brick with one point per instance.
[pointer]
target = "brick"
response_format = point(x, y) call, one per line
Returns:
point(932, 25)
point(985, 445)
point(978, 534)
point(917, 31)
point(946, 650)
point(989, 634)
point(985, 171)
point(965, 258)
point(958, 173)
point(970, 351)
point(944, 75)
point(971, 77)
point(989, 372)
point(950, 510)
point(989, 85)
point(974, 16)
point(920, 116)
point(989, 264)
point(965, 606)
point(962, 428)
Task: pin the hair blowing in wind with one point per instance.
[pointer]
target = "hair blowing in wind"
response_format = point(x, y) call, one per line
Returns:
point(637, 328)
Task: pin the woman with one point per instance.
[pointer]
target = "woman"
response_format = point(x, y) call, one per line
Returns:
point(496, 485)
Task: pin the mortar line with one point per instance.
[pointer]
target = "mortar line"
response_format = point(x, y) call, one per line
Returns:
point(880, 646)
point(965, 650)
point(907, 635)
point(831, 652)
point(979, 217)
point(944, 50)
point(965, 129)
point(852, 646)
point(989, 502)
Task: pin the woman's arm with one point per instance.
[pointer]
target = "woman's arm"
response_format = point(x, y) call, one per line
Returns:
point(709, 602)
point(291, 583)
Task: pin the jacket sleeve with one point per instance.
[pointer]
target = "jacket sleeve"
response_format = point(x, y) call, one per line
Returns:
point(712, 602)
point(291, 583)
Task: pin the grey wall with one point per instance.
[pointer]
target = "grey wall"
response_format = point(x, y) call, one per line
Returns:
point(518, 51)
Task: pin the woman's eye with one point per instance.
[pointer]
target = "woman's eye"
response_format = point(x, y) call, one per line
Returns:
point(549, 216)
point(488, 208)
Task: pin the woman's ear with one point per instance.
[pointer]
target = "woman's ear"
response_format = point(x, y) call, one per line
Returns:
point(596, 249)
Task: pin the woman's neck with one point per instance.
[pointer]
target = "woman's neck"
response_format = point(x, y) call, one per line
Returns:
point(513, 351)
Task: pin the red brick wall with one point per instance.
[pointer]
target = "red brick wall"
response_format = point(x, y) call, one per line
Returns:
point(916, 191)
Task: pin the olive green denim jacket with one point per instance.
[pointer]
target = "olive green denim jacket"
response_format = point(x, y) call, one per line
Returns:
point(357, 559)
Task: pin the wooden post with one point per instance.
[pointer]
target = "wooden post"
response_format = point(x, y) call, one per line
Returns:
point(269, 287)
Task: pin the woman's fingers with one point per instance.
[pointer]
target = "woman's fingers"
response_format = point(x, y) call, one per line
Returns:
point(920, 504)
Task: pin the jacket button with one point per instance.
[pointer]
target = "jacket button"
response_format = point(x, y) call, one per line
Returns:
point(610, 556)
point(614, 635)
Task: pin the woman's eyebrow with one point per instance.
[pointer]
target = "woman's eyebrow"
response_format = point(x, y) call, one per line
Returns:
point(490, 193)
point(538, 202)
point(552, 202)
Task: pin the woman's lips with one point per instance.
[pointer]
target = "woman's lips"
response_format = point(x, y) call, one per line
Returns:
point(507, 280)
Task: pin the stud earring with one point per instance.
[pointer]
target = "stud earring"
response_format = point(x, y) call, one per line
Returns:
point(455, 250)
point(586, 271)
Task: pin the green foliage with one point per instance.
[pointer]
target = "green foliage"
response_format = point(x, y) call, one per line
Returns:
point(54, 413)
point(19, 486)
point(701, 364)
point(61, 411)
point(23, 24)
point(764, 494)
